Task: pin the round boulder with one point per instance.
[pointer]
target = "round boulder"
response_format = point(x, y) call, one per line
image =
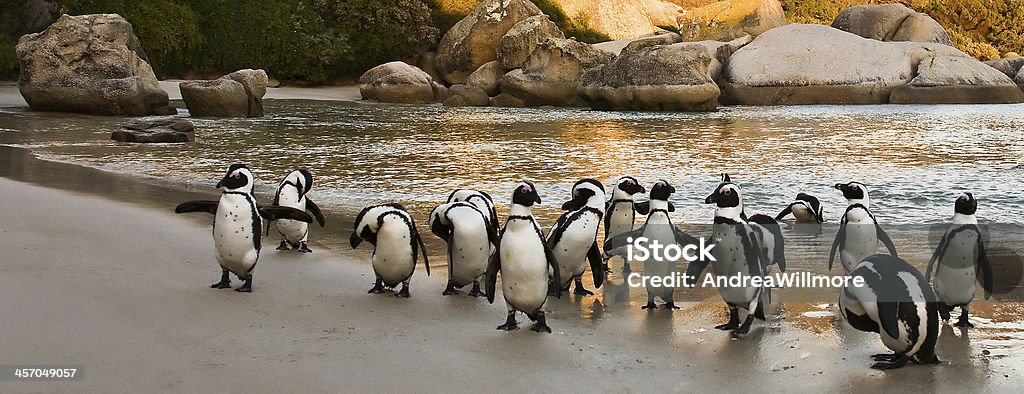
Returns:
point(222, 97)
point(255, 83)
point(90, 64)
point(399, 82)
point(552, 73)
point(517, 45)
point(730, 19)
point(155, 131)
point(487, 77)
point(891, 22)
point(466, 96)
point(472, 41)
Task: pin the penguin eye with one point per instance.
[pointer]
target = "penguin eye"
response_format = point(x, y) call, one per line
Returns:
point(726, 192)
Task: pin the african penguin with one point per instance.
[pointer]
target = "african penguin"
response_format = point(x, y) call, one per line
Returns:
point(859, 232)
point(658, 227)
point(620, 212)
point(481, 200)
point(471, 240)
point(238, 225)
point(737, 252)
point(573, 238)
point(523, 259)
point(805, 208)
point(896, 302)
point(396, 245)
point(292, 193)
point(961, 257)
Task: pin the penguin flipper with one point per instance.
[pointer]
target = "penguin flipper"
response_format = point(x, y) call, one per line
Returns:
point(766, 222)
point(671, 207)
point(682, 238)
point(491, 275)
point(882, 236)
point(935, 255)
point(616, 246)
point(889, 318)
point(985, 267)
point(275, 213)
point(553, 262)
point(423, 250)
point(439, 228)
point(785, 212)
point(643, 208)
point(837, 243)
point(315, 210)
point(197, 206)
point(596, 264)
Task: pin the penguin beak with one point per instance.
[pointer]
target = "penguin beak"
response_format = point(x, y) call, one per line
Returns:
point(713, 198)
point(537, 200)
point(579, 199)
point(354, 240)
point(840, 186)
point(220, 184)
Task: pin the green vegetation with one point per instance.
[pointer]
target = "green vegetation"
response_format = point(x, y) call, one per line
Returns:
point(319, 41)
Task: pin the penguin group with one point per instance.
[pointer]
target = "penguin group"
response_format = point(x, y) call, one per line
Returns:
point(898, 302)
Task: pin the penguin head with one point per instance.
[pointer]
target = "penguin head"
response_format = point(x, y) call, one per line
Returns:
point(855, 192)
point(525, 194)
point(662, 190)
point(966, 204)
point(238, 178)
point(584, 192)
point(307, 181)
point(629, 186)
point(726, 195)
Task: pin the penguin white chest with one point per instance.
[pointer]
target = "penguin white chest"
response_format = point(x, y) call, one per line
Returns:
point(571, 249)
point(469, 250)
point(524, 269)
point(731, 259)
point(861, 238)
point(292, 230)
point(803, 214)
point(620, 220)
point(955, 276)
point(392, 258)
point(234, 229)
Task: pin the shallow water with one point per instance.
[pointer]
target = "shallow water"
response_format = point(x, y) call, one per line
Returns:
point(915, 159)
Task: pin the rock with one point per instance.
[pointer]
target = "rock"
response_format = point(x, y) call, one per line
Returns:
point(472, 41)
point(1019, 79)
point(649, 76)
point(891, 22)
point(620, 19)
point(466, 96)
point(487, 77)
point(957, 79)
point(815, 64)
point(426, 63)
point(730, 19)
point(255, 83)
point(222, 97)
point(615, 47)
point(89, 64)
point(507, 100)
point(1007, 65)
point(552, 73)
point(520, 41)
point(399, 82)
point(151, 131)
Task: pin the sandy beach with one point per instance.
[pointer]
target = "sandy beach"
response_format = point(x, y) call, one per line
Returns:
point(106, 277)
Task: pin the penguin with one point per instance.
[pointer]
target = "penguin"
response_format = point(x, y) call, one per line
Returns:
point(523, 259)
point(573, 238)
point(620, 213)
point(961, 257)
point(657, 227)
point(482, 200)
point(805, 208)
point(738, 251)
point(396, 243)
point(896, 302)
point(238, 225)
point(470, 239)
point(859, 232)
point(292, 193)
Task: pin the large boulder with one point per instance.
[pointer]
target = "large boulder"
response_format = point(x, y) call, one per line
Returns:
point(221, 98)
point(472, 41)
point(487, 77)
point(620, 19)
point(552, 73)
point(1007, 65)
point(90, 64)
point(957, 79)
point(891, 22)
point(815, 64)
point(255, 84)
point(399, 82)
point(730, 19)
point(516, 45)
point(650, 76)
point(466, 96)
point(155, 131)
point(615, 47)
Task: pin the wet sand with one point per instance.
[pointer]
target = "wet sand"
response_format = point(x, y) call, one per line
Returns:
point(98, 272)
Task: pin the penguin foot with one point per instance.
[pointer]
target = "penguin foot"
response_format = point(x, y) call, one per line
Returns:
point(540, 327)
point(731, 325)
point(744, 328)
point(404, 293)
point(225, 282)
point(378, 288)
point(581, 291)
point(245, 287)
point(626, 270)
point(671, 306)
point(510, 323)
point(884, 356)
point(963, 323)
point(283, 245)
point(898, 361)
point(450, 290)
point(650, 305)
point(475, 292)
point(303, 248)
point(944, 312)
